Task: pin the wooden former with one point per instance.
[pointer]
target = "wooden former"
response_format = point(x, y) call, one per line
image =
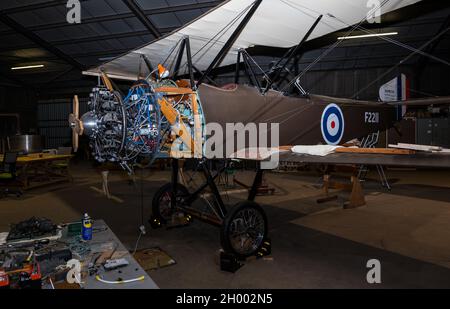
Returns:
point(174, 90)
point(177, 124)
point(194, 144)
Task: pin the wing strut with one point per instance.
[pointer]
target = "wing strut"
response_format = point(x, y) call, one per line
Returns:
point(218, 59)
point(291, 53)
point(185, 47)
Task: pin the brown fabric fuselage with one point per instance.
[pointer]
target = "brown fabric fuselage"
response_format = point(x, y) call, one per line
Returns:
point(299, 118)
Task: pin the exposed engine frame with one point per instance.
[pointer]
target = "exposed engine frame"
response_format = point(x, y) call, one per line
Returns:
point(163, 118)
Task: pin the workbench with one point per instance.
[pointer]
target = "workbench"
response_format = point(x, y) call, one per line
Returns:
point(102, 235)
point(90, 255)
point(40, 169)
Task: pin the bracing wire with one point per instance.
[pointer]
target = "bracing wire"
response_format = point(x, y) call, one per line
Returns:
point(398, 43)
point(330, 48)
point(401, 62)
point(325, 53)
point(212, 41)
point(359, 27)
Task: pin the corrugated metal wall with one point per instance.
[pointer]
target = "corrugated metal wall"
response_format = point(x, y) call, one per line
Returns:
point(52, 121)
point(357, 83)
point(433, 131)
point(21, 101)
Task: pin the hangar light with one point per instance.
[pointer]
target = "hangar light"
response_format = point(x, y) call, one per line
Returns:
point(367, 35)
point(28, 67)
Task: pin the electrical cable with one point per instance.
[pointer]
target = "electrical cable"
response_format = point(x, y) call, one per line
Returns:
point(137, 243)
point(142, 213)
point(141, 278)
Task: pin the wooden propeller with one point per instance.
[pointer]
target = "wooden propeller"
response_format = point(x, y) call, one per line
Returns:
point(75, 123)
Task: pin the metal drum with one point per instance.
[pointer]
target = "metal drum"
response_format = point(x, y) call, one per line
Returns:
point(25, 143)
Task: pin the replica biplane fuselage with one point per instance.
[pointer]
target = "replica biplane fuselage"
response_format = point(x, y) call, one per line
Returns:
point(164, 115)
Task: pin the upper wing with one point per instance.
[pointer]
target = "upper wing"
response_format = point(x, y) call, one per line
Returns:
point(277, 23)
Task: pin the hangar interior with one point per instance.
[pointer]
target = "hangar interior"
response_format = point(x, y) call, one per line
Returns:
point(316, 242)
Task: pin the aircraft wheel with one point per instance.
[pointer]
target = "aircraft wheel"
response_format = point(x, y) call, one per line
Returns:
point(244, 229)
point(162, 202)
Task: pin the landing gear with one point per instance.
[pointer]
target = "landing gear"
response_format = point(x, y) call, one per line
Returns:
point(162, 207)
point(244, 229)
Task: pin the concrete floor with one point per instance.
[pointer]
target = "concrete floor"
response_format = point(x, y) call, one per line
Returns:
point(314, 246)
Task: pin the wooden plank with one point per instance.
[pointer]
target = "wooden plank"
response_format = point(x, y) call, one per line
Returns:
point(286, 148)
point(107, 82)
point(174, 90)
point(416, 147)
point(391, 151)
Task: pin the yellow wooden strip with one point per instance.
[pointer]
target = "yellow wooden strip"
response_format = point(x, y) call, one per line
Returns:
point(174, 90)
point(197, 128)
point(107, 82)
point(376, 151)
point(36, 158)
point(171, 114)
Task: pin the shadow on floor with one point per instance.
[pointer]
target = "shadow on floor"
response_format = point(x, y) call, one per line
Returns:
point(302, 257)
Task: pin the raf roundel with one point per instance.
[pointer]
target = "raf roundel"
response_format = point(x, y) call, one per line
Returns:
point(332, 124)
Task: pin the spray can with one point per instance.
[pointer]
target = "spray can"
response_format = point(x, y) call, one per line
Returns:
point(86, 230)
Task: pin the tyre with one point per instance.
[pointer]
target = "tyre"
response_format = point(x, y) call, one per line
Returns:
point(244, 229)
point(161, 203)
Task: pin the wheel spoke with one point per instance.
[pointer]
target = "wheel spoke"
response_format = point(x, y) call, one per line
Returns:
point(165, 203)
point(246, 231)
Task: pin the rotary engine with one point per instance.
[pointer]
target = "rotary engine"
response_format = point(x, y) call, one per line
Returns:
point(122, 130)
point(105, 124)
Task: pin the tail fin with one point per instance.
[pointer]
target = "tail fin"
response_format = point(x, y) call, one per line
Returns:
point(395, 90)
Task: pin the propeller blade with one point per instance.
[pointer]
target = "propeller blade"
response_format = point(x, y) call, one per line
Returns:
point(75, 123)
point(76, 107)
point(75, 141)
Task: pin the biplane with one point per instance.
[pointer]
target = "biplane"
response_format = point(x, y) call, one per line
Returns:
point(168, 108)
